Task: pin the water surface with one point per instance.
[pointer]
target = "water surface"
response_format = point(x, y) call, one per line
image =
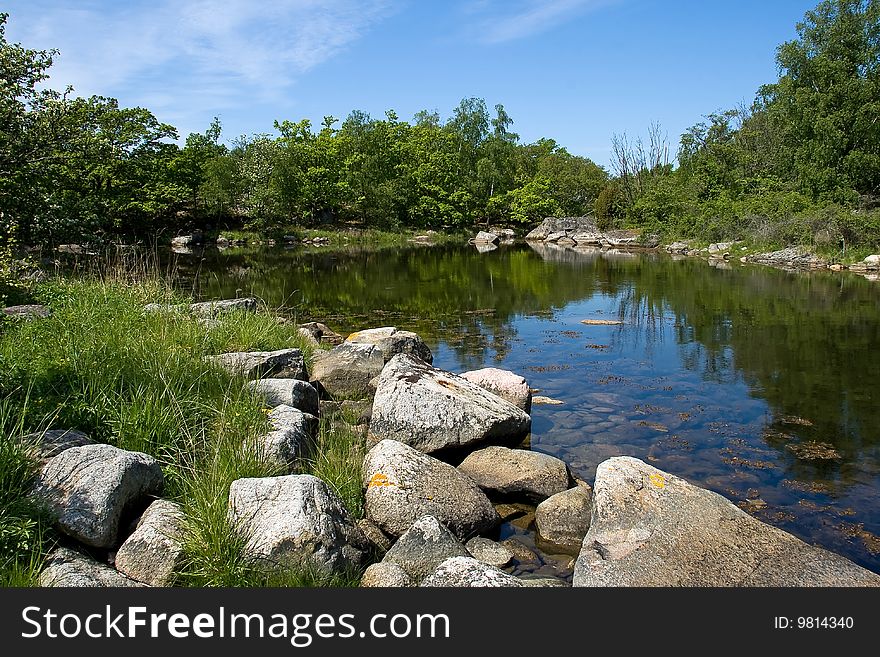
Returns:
point(732, 377)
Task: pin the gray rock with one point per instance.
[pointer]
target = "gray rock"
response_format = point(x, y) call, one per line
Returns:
point(88, 488)
point(296, 518)
point(503, 383)
point(385, 574)
point(280, 364)
point(346, 370)
point(54, 441)
point(468, 572)
point(380, 541)
point(212, 309)
point(392, 341)
point(289, 392)
point(292, 441)
point(486, 238)
point(423, 547)
point(517, 473)
point(431, 409)
point(404, 485)
point(564, 518)
point(28, 312)
point(66, 568)
point(154, 551)
point(650, 528)
point(490, 552)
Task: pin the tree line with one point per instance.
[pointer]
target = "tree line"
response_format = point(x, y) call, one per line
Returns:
point(800, 164)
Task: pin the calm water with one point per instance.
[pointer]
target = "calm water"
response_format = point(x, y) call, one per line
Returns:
point(718, 375)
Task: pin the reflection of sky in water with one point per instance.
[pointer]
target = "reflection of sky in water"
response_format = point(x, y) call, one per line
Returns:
point(715, 374)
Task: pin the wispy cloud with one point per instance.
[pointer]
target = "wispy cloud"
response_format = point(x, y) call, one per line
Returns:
point(186, 55)
point(498, 21)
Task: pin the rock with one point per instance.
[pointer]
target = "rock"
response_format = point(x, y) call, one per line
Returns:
point(212, 309)
point(381, 542)
point(516, 473)
point(431, 409)
point(486, 238)
point(489, 552)
point(27, 312)
point(320, 333)
point(54, 441)
point(290, 392)
point(423, 547)
point(66, 568)
point(503, 383)
point(154, 551)
point(468, 572)
point(385, 574)
point(392, 341)
point(88, 488)
point(293, 439)
point(403, 485)
point(294, 518)
point(280, 364)
point(346, 370)
point(650, 528)
point(564, 518)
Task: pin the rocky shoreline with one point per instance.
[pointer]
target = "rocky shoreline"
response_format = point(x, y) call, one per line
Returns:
point(447, 462)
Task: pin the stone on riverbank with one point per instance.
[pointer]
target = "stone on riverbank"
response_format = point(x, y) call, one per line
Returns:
point(468, 572)
point(516, 473)
point(503, 383)
point(650, 528)
point(66, 568)
point(89, 488)
point(295, 518)
point(564, 518)
point(155, 550)
point(346, 370)
point(289, 392)
point(403, 485)
point(280, 364)
point(431, 409)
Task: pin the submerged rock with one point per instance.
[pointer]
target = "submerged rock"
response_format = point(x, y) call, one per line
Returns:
point(403, 485)
point(431, 409)
point(296, 518)
point(88, 488)
point(650, 528)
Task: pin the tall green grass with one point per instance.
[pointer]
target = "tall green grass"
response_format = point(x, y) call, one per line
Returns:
point(138, 380)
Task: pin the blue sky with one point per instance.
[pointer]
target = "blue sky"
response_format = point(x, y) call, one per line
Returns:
point(578, 71)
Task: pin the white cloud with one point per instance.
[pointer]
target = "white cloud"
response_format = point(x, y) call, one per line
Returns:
point(499, 21)
point(186, 56)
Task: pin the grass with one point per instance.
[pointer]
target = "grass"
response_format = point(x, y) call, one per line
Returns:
point(139, 381)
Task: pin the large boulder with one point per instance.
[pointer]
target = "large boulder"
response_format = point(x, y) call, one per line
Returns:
point(288, 392)
point(650, 528)
point(403, 485)
point(296, 518)
point(280, 364)
point(292, 440)
point(563, 519)
point(88, 488)
point(392, 341)
point(211, 309)
point(154, 551)
point(468, 572)
point(516, 473)
point(432, 410)
point(66, 568)
point(346, 370)
point(423, 547)
point(503, 383)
